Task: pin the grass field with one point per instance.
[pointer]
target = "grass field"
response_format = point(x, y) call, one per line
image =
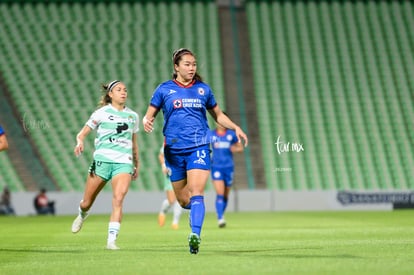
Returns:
point(252, 243)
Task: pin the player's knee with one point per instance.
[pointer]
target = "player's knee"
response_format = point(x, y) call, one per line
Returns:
point(184, 203)
point(117, 200)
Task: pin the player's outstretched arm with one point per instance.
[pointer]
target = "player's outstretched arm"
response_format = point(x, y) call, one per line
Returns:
point(135, 156)
point(226, 122)
point(79, 140)
point(4, 145)
point(148, 120)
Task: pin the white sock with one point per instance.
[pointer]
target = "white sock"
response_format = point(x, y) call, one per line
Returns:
point(178, 210)
point(165, 206)
point(113, 230)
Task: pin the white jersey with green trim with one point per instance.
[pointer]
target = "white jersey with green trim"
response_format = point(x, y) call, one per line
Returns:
point(114, 129)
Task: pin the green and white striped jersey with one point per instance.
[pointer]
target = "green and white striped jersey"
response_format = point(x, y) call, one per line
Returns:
point(114, 129)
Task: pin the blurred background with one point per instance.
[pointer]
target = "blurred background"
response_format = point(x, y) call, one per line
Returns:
point(324, 89)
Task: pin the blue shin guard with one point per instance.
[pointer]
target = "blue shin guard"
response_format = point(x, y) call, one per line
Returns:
point(198, 212)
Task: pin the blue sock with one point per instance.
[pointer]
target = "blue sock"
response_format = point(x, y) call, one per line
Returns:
point(225, 200)
point(198, 212)
point(220, 205)
point(188, 206)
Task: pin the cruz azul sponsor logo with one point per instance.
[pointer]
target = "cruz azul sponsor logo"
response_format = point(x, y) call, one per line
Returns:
point(178, 104)
point(192, 103)
point(188, 103)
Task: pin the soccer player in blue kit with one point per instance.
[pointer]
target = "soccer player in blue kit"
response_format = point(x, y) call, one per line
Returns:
point(184, 101)
point(224, 144)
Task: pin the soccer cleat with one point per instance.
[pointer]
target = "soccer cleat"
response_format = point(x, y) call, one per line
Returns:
point(194, 242)
point(77, 223)
point(221, 223)
point(174, 226)
point(161, 219)
point(112, 246)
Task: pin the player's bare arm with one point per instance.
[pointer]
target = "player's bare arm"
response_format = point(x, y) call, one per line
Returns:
point(80, 138)
point(135, 156)
point(148, 120)
point(226, 122)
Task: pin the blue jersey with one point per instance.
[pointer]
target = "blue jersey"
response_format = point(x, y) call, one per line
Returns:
point(221, 143)
point(184, 109)
point(1, 130)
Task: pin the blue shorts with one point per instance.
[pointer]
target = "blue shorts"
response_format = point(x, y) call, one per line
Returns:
point(223, 173)
point(179, 161)
point(108, 170)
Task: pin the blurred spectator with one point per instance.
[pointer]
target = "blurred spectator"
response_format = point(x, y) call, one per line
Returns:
point(42, 204)
point(5, 203)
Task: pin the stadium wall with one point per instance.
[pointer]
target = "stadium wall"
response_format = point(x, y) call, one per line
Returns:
point(241, 200)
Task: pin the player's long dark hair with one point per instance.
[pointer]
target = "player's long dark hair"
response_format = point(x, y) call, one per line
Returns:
point(176, 58)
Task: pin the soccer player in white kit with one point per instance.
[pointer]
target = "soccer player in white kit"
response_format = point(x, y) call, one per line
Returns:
point(115, 157)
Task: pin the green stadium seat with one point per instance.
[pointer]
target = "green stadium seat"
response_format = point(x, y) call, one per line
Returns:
point(61, 53)
point(334, 74)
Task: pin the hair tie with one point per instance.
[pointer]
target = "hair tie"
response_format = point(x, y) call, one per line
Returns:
point(111, 85)
point(180, 52)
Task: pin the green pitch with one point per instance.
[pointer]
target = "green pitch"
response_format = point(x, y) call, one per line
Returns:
point(252, 243)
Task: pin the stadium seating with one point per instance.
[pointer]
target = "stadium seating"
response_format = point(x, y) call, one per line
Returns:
point(336, 76)
point(58, 55)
